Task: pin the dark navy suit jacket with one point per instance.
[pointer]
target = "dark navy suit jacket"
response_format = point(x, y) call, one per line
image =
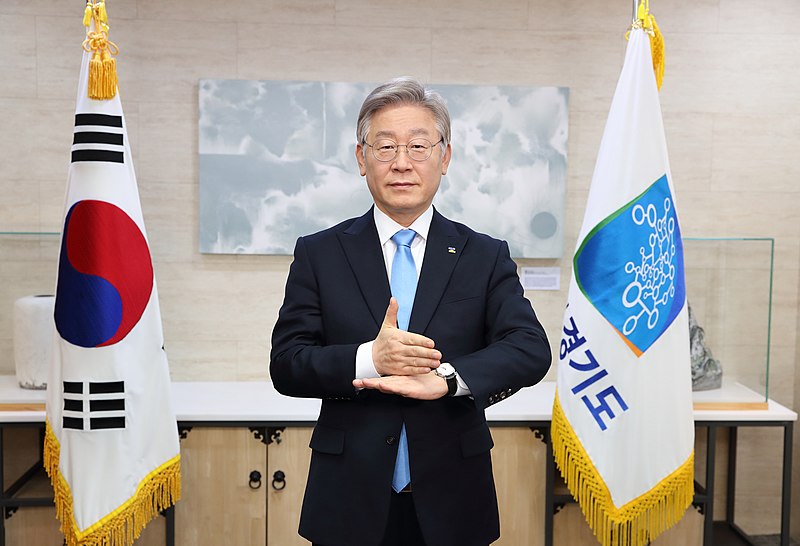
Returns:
point(470, 302)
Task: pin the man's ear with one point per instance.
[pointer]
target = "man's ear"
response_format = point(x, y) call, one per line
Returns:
point(362, 167)
point(446, 159)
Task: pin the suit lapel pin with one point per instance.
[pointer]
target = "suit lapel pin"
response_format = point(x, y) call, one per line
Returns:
point(451, 249)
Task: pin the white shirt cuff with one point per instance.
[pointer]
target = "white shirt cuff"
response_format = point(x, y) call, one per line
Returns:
point(463, 389)
point(364, 366)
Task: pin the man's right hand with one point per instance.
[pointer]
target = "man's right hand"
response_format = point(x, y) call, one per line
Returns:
point(397, 352)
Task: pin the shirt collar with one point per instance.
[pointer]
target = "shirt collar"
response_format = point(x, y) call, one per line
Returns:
point(388, 227)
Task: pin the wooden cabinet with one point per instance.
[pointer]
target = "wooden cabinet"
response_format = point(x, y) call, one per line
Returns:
point(244, 486)
point(218, 504)
point(518, 461)
point(241, 486)
point(222, 503)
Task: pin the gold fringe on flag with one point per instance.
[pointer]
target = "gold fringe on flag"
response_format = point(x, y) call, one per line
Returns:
point(638, 522)
point(102, 66)
point(157, 491)
point(647, 21)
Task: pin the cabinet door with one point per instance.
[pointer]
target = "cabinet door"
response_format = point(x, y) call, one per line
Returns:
point(218, 505)
point(518, 460)
point(292, 457)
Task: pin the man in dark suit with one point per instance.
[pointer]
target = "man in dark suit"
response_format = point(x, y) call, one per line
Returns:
point(401, 448)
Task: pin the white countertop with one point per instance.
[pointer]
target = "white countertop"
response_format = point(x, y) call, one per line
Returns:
point(258, 401)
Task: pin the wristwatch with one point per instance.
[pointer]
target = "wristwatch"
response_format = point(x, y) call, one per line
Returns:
point(448, 372)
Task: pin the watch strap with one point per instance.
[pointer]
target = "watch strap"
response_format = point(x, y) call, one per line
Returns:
point(452, 385)
point(451, 378)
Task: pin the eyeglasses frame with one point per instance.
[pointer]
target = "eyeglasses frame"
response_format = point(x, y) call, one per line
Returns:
point(397, 153)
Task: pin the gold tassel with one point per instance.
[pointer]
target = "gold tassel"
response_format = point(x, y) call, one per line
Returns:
point(647, 21)
point(101, 12)
point(102, 84)
point(657, 48)
point(95, 76)
point(87, 14)
point(109, 74)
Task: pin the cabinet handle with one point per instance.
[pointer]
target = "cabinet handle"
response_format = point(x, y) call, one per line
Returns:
point(255, 479)
point(278, 480)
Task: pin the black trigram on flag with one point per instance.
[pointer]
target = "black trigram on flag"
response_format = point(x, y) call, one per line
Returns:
point(98, 137)
point(94, 405)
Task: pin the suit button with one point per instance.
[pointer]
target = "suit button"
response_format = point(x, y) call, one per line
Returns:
point(390, 440)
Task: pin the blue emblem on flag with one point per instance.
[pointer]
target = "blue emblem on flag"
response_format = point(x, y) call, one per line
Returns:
point(630, 267)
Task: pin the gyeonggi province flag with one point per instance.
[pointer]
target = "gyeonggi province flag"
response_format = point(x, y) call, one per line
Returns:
point(111, 441)
point(623, 430)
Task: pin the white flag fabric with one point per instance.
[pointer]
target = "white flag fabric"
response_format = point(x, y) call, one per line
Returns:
point(623, 431)
point(111, 443)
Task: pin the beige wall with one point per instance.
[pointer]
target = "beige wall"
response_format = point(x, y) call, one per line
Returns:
point(729, 102)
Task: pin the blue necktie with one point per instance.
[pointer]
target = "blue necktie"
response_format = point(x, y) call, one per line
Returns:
point(404, 286)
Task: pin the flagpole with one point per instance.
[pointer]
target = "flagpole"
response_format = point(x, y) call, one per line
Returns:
point(635, 9)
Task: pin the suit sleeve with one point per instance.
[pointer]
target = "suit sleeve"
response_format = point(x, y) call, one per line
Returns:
point(517, 352)
point(301, 364)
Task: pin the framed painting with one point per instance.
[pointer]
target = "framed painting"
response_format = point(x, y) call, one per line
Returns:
point(277, 161)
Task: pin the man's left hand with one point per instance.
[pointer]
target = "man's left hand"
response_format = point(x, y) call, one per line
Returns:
point(427, 386)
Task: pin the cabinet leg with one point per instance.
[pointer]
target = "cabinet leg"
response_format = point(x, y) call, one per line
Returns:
point(548, 501)
point(786, 492)
point(2, 493)
point(169, 516)
point(711, 451)
point(730, 509)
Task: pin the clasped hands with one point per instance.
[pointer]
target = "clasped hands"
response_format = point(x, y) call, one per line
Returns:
point(405, 361)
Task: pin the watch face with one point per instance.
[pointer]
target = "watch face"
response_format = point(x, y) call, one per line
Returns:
point(445, 370)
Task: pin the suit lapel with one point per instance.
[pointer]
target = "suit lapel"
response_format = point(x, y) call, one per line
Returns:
point(363, 251)
point(442, 251)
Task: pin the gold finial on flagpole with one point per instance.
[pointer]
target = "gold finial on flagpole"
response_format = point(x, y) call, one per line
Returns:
point(647, 21)
point(102, 66)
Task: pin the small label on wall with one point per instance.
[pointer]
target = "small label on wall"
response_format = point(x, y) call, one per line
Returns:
point(540, 278)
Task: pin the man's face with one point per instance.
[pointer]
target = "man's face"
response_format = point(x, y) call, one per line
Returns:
point(403, 188)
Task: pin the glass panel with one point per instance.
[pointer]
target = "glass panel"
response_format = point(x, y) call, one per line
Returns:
point(729, 288)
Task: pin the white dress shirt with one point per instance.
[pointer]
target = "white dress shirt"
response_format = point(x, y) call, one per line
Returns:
point(387, 227)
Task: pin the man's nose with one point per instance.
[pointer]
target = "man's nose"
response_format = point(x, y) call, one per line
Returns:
point(401, 161)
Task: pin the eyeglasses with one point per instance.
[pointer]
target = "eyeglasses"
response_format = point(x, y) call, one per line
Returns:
point(418, 149)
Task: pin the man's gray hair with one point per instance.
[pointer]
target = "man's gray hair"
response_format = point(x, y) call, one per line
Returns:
point(404, 91)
